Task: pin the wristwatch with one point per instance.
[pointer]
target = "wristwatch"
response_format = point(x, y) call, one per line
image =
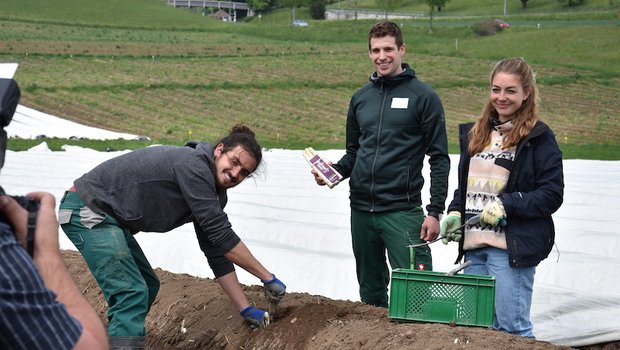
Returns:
point(435, 214)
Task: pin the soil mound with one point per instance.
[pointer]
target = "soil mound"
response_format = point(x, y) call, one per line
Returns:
point(195, 313)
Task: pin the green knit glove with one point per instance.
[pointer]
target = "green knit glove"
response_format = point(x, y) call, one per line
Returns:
point(450, 228)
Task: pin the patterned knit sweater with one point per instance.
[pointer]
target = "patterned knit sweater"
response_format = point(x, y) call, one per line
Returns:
point(487, 178)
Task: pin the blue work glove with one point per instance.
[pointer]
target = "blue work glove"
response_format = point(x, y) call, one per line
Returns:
point(274, 289)
point(493, 214)
point(450, 228)
point(255, 317)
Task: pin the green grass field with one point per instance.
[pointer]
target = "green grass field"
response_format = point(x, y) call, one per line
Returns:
point(147, 68)
point(477, 8)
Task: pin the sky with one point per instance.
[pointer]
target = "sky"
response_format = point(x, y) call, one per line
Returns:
point(301, 231)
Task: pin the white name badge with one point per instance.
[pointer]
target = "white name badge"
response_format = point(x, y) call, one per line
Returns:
point(400, 102)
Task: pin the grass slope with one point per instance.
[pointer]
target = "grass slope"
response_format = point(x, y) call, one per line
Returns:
point(134, 13)
point(147, 68)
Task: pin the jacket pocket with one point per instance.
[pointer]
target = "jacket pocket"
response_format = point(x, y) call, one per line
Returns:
point(64, 216)
point(89, 218)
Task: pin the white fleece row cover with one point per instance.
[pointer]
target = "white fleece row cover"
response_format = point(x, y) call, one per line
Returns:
point(301, 231)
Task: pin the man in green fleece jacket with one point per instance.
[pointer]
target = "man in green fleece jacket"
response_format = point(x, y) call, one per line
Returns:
point(393, 122)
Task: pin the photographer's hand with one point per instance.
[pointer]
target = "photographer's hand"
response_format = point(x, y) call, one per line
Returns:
point(46, 233)
point(51, 266)
point(16, 215)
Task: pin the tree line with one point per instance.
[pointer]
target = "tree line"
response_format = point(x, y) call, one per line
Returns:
point(317, 7)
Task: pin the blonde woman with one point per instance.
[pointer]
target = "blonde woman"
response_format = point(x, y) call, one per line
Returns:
point(510, 173)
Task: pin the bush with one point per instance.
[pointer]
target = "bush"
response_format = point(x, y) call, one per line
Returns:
point(317, 9)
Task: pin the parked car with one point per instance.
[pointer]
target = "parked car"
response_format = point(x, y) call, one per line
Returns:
point(499, 23)
point(300, 23)
point(490, 26)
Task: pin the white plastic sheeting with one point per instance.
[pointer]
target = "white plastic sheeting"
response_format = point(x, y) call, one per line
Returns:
point(300, 231)
point(28, 123)
point(577, 293)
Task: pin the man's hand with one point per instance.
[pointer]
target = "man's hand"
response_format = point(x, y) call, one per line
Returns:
point(317, 178)
point(430, 229)
point(451, 227)
point(255, 317)
point(274, 289)
point(493, 214)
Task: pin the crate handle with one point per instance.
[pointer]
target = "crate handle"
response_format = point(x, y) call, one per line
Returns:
point(458, 268)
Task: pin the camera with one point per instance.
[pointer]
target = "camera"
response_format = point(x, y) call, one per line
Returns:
point(32, 207)
point(9, 99)
point(27, 203)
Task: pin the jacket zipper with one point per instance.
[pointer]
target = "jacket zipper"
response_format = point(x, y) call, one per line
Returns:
point(374, 161)
point(408, 183)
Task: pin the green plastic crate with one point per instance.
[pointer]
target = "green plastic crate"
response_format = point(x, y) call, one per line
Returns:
point(428, 296)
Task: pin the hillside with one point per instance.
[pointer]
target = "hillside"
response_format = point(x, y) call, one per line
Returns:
point(194, 313)
point(146, 68)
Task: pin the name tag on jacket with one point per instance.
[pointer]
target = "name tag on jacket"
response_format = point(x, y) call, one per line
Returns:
point(400, 102)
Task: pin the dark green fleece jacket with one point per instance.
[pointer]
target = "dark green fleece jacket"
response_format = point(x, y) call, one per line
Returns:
point(392, 123)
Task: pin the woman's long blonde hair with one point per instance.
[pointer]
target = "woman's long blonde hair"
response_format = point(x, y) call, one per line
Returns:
point(525, 117)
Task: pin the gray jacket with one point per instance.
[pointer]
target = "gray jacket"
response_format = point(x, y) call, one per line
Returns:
point(161, 188)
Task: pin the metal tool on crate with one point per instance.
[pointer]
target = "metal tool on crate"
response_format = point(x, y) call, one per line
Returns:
point(458, 268)
point(449, 273)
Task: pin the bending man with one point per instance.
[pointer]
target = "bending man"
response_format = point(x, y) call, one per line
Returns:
point(157, 189)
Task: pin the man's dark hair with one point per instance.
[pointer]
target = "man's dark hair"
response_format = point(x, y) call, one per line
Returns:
point(241, 135)
point(386, 28)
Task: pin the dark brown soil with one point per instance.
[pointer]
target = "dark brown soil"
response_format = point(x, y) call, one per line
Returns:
point(194, 313)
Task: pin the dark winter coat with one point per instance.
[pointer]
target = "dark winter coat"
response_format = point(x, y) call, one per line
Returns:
point(534, 191)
